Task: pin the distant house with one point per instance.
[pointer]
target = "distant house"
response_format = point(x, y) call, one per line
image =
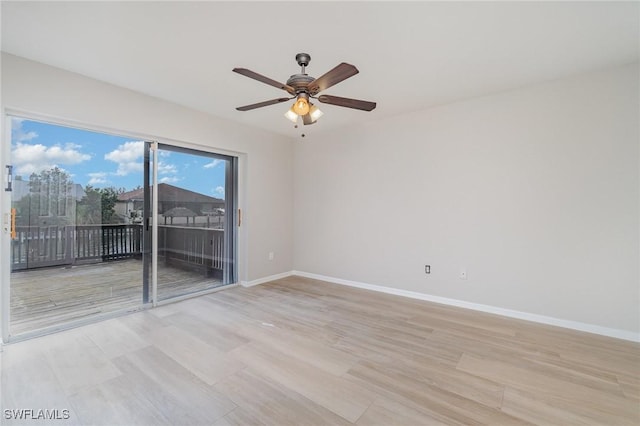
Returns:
point(170, 198)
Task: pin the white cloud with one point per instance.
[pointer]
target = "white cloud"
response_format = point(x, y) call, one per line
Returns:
point(127, 152)
point(219, 190)
point(68, 154)
point(212, 164)
point(169, 179)
point(97, 178)
point(34, 158)
point(126, 168)
point(128, 156)
point(166, 169)
point(17, 133)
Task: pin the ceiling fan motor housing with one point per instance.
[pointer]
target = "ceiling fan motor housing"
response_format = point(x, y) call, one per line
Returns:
point(300, 82)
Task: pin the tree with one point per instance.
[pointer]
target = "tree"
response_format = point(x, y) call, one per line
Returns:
point(89, 208)
point(109, 196)
point(49, 201)
point(98, 205)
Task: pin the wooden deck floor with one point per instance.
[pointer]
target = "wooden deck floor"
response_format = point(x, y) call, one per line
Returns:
point(52, 296)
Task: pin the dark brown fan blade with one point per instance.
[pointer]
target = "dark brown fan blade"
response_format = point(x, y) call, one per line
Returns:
point(262, 104)
point(346, 102)
point(265, 80)
point(306, 119)
point(335, 76)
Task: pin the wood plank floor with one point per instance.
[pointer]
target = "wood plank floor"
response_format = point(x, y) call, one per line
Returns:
point(51, 296)
point(302, 352)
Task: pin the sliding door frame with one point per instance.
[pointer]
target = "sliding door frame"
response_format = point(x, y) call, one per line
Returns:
point(231, 221)
point(149, 283)
point(5, 235)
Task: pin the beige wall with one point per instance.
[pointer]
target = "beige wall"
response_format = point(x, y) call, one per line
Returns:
point(535, 192)
point(267, 175)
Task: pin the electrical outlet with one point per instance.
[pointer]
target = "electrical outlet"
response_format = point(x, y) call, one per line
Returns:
point(463, 274)
point(427, 269)
point(271, 255)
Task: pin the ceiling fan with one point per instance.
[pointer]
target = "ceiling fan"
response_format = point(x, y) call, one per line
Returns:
point(303, 88)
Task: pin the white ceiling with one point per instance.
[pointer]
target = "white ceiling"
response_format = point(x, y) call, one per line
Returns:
point(410, 55)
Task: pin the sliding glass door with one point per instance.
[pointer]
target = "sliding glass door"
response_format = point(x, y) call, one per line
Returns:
point(83, 242)
point(195, 232)
point(73, 253)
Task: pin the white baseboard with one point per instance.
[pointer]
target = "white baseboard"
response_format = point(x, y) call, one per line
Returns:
point(266, 279)
point(574, 325)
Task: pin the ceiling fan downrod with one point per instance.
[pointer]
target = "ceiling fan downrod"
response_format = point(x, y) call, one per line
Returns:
point(303, 60)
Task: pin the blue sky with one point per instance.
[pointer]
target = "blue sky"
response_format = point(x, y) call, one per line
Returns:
point(103, 160)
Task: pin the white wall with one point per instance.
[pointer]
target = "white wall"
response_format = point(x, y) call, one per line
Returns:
point(267, 214)
point(534, 191)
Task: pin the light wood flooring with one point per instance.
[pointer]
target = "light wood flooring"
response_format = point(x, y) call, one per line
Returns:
point(303, 352)
point(52, 296)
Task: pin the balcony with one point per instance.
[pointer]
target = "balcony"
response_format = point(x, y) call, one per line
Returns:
point(64, 273)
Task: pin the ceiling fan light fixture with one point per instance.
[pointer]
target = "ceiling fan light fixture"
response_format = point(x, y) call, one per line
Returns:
point(291, 115)
point(315, 113)
point(302, 87)
point(301, 106)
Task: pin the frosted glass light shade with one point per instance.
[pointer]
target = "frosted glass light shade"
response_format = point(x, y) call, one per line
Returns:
point(315, 113)
point(291, 115)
